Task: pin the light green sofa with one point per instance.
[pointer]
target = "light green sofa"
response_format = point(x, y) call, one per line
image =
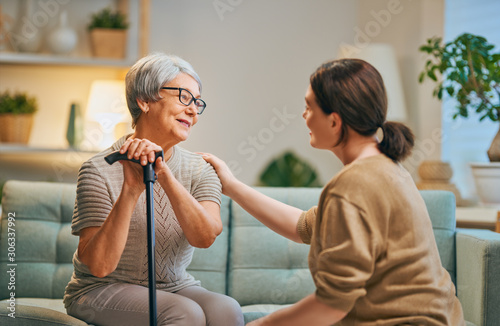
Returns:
point(260, 269)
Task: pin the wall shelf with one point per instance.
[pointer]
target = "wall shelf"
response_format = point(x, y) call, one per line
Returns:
point(16, 58)
point(23, 162)
point(16, 149)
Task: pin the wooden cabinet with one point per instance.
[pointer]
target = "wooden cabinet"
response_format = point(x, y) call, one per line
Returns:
point(57, 81)
point(478, 218)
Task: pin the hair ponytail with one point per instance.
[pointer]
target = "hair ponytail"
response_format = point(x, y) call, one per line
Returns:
point(354, 90)
point(398, 141)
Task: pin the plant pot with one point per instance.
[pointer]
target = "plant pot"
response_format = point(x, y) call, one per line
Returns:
point(15, 128)
point(487, 180)
point(108, 43)
point(436, 175)
point(435, 171)
point(494, 150)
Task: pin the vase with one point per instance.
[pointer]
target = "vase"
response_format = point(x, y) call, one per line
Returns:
point(26, 36)
point(487, 181)
point(63, 39)
point(494, 150)
point(74, 133)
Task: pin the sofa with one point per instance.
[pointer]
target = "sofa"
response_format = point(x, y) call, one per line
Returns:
point(260, 269)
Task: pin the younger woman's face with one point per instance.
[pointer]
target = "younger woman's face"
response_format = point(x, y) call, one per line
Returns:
point(320, 124)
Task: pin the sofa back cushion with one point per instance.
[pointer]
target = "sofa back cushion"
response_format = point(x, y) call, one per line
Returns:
point(441, 208)
point(264, 267)
point(43, 244)
point(210, 265)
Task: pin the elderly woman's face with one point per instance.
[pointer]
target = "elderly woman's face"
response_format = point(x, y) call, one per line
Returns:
point(171, 118)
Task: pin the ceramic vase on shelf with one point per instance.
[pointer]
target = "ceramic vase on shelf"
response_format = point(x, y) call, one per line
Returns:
point(27, 34)
point(63, 39)
point(74, 133)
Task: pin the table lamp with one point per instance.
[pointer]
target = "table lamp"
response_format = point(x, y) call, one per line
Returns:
point(107, 106)
point(383, 58)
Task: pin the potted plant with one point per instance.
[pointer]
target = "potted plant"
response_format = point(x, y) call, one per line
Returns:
point(16, 117)
point(108, 34)
point(288, 170)
point(470, 73)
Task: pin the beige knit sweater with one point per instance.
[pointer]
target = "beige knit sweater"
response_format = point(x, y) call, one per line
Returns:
point(373, 252)
point(99, 186)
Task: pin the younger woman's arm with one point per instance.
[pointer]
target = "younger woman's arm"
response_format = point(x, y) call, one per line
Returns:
point(279, 217)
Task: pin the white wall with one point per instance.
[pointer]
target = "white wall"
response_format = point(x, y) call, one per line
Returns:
point(255, 62)
point(255, 58)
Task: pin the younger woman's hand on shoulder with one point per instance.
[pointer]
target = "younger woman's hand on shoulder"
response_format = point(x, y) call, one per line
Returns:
point(225, 175)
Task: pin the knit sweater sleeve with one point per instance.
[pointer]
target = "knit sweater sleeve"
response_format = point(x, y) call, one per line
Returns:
point(347, 252)
point(305, 224)
point(208, 186)
point(93, 202)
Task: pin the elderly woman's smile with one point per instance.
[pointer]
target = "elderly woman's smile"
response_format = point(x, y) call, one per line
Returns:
point(184, 122)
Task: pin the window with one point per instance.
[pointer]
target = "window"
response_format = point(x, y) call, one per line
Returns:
point(467, 140)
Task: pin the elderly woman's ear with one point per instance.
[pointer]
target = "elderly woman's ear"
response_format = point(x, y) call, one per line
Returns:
point(144, 105)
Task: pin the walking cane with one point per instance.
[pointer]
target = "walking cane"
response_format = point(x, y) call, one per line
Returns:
point(149, 180)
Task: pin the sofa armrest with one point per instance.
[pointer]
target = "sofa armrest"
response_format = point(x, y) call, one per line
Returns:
point(478, 275)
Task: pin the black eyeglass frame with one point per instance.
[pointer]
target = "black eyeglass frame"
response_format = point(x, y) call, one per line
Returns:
point(180, 89)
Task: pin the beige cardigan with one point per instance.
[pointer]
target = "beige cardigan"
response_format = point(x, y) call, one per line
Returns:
point(373, 253)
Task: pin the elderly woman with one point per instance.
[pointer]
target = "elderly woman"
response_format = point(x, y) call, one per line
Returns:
point(109, 283)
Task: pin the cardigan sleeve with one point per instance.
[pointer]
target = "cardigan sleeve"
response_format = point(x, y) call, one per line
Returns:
point(346, 253)
point(305, 224)
point(208, 186)
point(93, 202)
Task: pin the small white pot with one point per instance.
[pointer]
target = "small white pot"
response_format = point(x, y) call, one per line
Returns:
point(487, 180)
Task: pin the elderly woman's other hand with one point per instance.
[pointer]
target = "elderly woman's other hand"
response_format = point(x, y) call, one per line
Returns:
point(144, 151)
point(140, 149)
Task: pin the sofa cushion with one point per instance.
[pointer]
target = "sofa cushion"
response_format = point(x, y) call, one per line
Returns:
point(29, 313)
point(44, 245)
point(210, 265)
point(441, 208)
point(264, 267)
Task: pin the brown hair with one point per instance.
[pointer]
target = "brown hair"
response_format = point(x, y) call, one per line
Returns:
point(354, 90)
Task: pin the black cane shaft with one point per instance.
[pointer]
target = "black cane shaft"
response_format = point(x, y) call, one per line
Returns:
point(151, 253)
point(149, 180)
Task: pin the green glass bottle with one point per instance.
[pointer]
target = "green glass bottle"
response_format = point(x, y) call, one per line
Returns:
point(74, 133)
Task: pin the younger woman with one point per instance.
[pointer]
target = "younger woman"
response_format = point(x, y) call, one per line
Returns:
point(373, 256)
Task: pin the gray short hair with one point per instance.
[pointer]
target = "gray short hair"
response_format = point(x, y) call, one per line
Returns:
point(146, 77)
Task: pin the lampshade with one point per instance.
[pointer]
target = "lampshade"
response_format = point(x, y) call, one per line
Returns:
point(107, 106)
point(383, 58)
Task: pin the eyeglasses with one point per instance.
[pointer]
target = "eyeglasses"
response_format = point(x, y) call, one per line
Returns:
point(186, 98)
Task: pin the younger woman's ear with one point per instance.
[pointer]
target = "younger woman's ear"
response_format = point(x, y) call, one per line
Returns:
point(143, 105)
point(334, 119)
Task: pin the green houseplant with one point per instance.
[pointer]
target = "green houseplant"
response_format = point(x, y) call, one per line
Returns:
point(16, 116)
point(108, 34)
point(470, 74)
point(288, 170)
